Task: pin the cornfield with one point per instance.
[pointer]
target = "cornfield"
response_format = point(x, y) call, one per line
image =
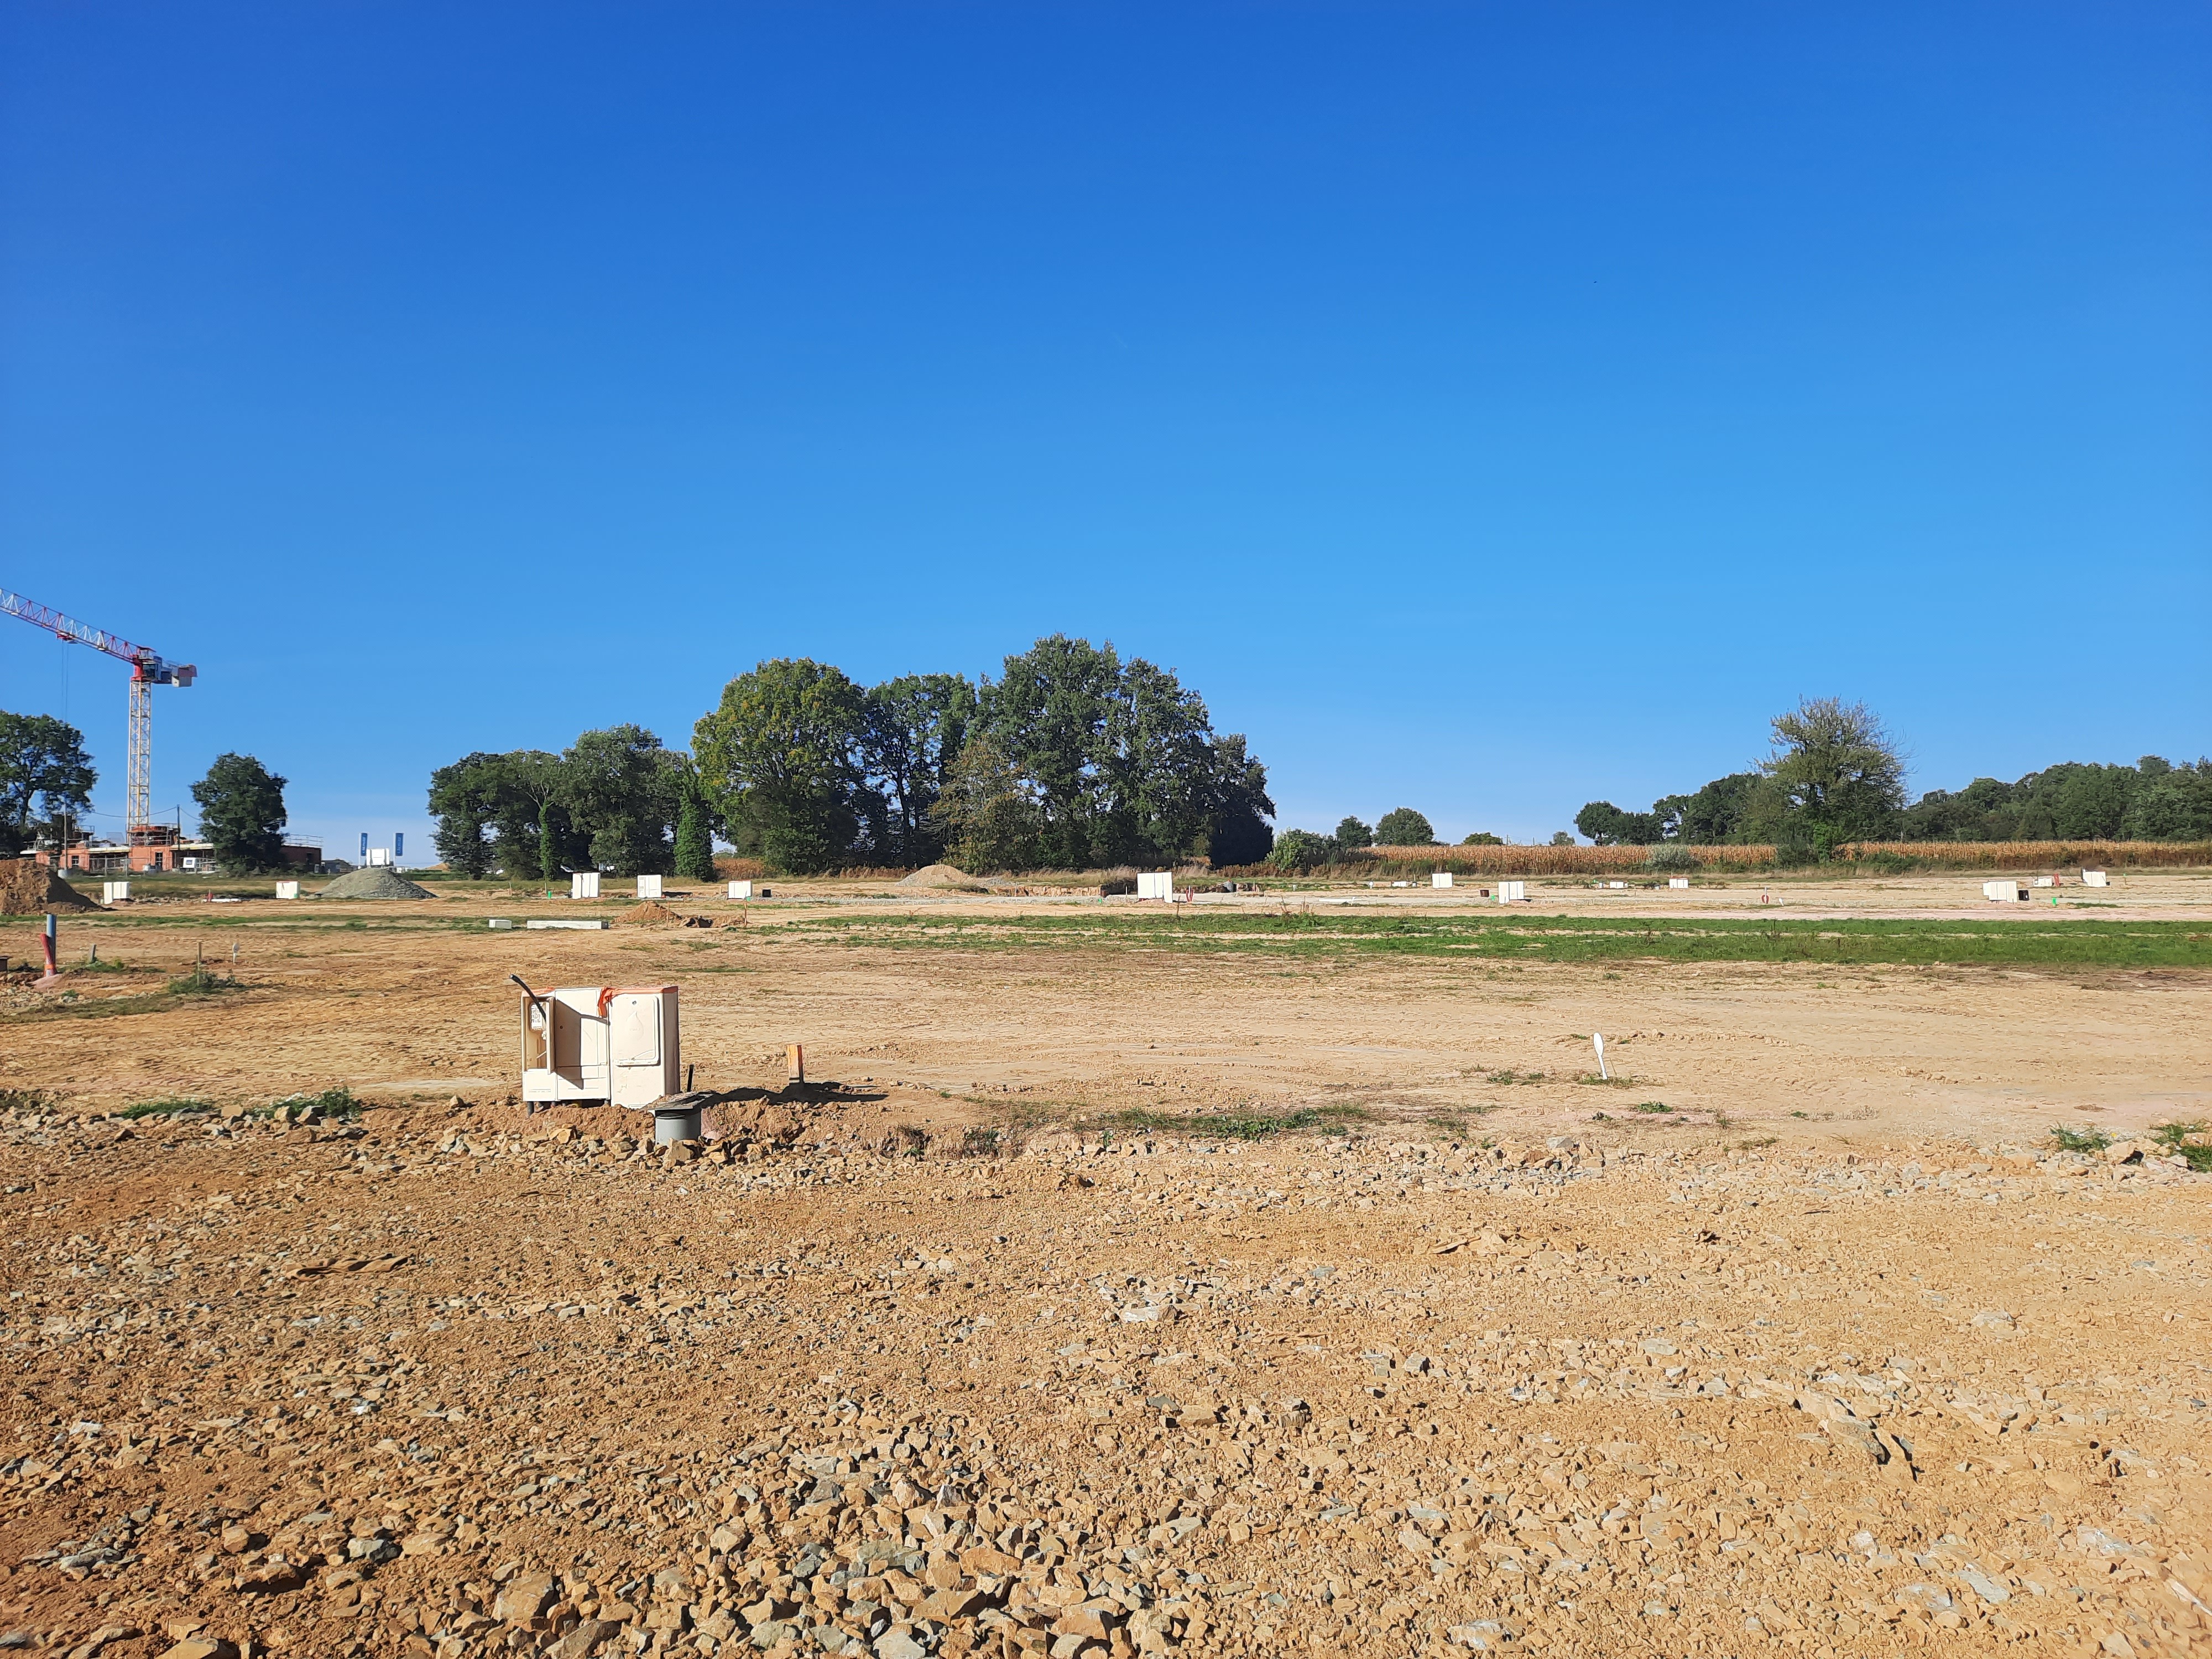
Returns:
point(2032, 854)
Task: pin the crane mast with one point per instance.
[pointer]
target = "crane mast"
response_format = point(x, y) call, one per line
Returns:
point(148, 670)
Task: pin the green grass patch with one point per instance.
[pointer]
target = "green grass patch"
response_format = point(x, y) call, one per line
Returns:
point(201, 983)
point(2180, 1140)
point(1240, 1126)
point(331, 1103)
point(1651, 1106)
point(2046, 941)
point(168, 1106)
point(2071, 1139)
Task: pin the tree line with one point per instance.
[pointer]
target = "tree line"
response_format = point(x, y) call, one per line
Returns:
point(46, 779)
point(1834, 775)
point(1074, 757)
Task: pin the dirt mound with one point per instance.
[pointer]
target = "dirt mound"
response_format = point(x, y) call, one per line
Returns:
point(28, 887)
point(379, 881)
point(653, 915)
point(943, 876)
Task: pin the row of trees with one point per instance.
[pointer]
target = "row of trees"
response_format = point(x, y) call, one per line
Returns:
point(1303, 850)
point(1834, 774)
point(1073, 758)
point(46, 779)
point(614, 799)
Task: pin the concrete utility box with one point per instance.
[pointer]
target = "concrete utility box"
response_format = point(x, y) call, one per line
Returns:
point(2004, 892)
point(288, 890)
point(616, 1043)
point(115, 892)
point(2094, 878)
point(379, 857)
point(741, 890)
point(584, 883)
point(1510, 892)
point(1677, 881)
point(1156, 885)
point(1442, 879)
point(649, 887)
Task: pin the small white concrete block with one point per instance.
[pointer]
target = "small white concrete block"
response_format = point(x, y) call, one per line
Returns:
point(1442, 879)
point(500, 924)
point(2094, 878)
point(649, 887)
point(117, 892)
point(1677, 881)
point(2008, 892)
point(741, 890)
point(584, 884)
point(2046, 881)
point(289, 890)
point(565, 924)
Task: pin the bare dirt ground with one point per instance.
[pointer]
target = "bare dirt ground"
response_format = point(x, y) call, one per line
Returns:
point(968, 1347)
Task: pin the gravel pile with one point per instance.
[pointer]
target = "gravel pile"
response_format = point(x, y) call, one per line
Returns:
point(944, 877)
point(378, 882)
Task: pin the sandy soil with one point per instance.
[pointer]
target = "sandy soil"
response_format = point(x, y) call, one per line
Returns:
point(1837, 1355)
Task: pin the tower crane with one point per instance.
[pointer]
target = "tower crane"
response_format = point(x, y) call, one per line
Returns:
point(148, 670)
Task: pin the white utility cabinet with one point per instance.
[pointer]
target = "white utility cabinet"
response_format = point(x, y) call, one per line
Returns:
point(741, 890)
point(2004, 892)
point(1156, 885)
point(1678, 882)
point(1442, 879)
point(583, 884)
point(621, 1044)
point(1512, 892)
point(649, 887)
point(288, 890)
point(115, 892)
point(2094, 878)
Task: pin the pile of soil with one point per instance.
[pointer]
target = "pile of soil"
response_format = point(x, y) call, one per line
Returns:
point(944, 877)
point(27, 888)
point(653, 914)
point(379, 881)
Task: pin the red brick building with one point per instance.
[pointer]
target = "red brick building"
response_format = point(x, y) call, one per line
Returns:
point(156, 849)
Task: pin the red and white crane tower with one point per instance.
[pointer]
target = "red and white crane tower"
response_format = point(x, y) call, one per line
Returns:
point(148, 670)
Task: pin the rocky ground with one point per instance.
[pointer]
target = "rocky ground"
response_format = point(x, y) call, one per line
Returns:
point(454, 1380)
point(953, 1365)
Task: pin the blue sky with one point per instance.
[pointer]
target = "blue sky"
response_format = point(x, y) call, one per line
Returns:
point(1487, 409)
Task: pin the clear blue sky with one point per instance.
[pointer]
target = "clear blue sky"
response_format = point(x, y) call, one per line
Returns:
point(1487, 408)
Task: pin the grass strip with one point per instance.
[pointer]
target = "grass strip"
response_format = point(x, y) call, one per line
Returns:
point(2078, 943)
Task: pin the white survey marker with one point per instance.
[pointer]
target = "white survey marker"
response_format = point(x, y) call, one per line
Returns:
point(1597, 1041)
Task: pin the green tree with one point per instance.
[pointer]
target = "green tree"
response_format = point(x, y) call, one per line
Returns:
point(1052, 715)
point(1841, 774)
point(987, 816)
point(1607, 826)
point(1302, 850)
point(911, 730)
point(1403, 827)
point(2173, 805)
point(44, 772)
point(777, 758)
point(1714, 814)
point(621, 787)
point(1239, 833)
point(1351, 832)
point(1484, 838)
point(694, 832)
point(1561, 838)
point(242, 805)
point(465, 799)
